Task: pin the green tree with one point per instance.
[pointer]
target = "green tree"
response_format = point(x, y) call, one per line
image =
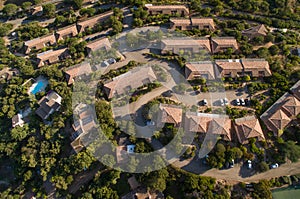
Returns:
point(291, 150)
point(116, 25)
point(262, 190)
point(10, 9)
point(49, 10)
point(5, 29)
point(263, 166)
point(77, 3)
point(26, 5)
point(274, 50)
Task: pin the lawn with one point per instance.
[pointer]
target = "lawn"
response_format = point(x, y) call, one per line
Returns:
point(286, 193)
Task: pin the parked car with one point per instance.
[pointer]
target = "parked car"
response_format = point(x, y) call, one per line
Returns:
point(274, 166)
point(150, 123)
point(249, 164)
point(226, 102)
point(204, 102)
point(222, 102)
point(205, 159)
point(242, 102)
point(167, 93)
point(231, 164)
point(105, 64)
point(247, 102)
point(237, 102)
point(111, 61)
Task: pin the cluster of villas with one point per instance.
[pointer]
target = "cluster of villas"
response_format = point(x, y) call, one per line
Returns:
point(48, 105)
point(284, 112)
point(240, 129)
point(232, 68)
point(211, 45)
point(53, 56)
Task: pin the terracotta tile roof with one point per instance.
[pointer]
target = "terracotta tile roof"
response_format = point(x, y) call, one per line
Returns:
point(51, 55)
point(221, 125)
point(169, 114)
point(277, 122)
point(77, 70)
point(296, 90)
point(256, 64)
point(84, 123)
point(151, 7)
point(230, 64)
point(17, 120)
point(203, 21)
point(198, 123)
point(256, 30)
point(291, 106)
point(48, 104)
point(91, 22)
point(40, 42)
point(98, 44)
point(209, 123)
point(248, 127)
point(177, 21)
point(186, 43)
point(67, 31)
point(130, 80)
point(219, 43)
point(199, 68)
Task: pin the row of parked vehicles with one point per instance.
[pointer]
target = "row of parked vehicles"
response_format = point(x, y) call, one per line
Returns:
point(225, 102)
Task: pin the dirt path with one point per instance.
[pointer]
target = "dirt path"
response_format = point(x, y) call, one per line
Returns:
point(239, 173)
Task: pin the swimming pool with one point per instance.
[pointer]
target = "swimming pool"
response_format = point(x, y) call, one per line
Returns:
point(38, 86)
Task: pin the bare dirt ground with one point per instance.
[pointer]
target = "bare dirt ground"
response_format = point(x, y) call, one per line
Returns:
point(267, 45)
point(239, 173)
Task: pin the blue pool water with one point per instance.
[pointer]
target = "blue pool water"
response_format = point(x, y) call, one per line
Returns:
point(39, 86)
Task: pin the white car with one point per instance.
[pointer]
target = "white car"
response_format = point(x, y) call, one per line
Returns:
point(222, 102)
point(274, 166)
point(249, 164)
point(226, 102)
point(242, 102)
point(204, 102)
point(237, 101)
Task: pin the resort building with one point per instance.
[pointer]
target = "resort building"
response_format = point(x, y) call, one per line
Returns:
point(179, 10)
point(195, 70)
point(51, 56)
point(39, 43)
point(17, 120)
point(209, 123)
point(48, 105)
point(240, 67)
point(99, 44)
point(248, 127)
point(78, 70)
point(283, 112)
point(84, 122)
point(230, 68)
point(256, 67)
point(220, 44)
point(93, 21)
point(255, 31)
point(129, 81)
point(182, 45)
point(169, 114)
point(192, 23)
point(69, 31)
